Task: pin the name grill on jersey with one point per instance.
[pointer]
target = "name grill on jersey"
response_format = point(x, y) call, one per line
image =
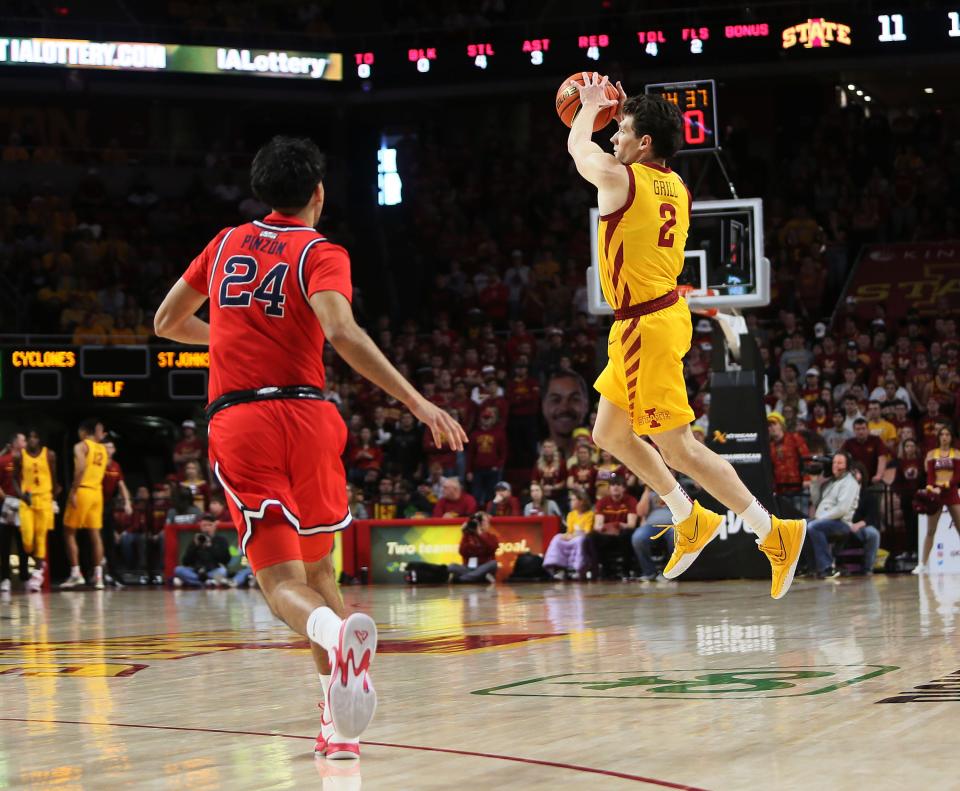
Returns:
point(665, 188)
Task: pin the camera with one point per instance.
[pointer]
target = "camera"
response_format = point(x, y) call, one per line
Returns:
point(471, 525)
point(817, 464)
point(202, 538)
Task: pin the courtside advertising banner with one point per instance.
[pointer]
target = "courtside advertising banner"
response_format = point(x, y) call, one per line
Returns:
point(392, 546)
point(185, 59)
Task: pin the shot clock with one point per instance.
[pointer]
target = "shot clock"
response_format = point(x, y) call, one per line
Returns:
point(697, 101)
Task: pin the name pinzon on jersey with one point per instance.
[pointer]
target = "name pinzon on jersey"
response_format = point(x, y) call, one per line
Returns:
point(270, 246)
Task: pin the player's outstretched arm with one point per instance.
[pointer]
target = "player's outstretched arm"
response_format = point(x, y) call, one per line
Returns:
point(175, 317)
point(593, 163)
point(335, 315)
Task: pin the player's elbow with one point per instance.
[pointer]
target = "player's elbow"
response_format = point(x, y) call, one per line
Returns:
point(339, 331)
point(162, 324)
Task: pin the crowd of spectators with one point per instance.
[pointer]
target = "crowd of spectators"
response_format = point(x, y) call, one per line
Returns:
point(508, 346)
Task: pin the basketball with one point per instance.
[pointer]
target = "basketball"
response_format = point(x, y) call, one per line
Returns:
point(568, 102)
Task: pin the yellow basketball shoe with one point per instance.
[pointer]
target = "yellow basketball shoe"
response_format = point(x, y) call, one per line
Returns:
point(782, 548)
point(690, 538)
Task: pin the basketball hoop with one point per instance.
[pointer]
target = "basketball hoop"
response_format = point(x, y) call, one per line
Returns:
point(690, 294)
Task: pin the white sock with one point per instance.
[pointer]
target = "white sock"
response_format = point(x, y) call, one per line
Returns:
point(757, 519)
point(74, 571)
point(323, 627)
point(325, 683)
point(679, 503)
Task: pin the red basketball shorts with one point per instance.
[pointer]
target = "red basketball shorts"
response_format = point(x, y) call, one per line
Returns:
point(279, 464)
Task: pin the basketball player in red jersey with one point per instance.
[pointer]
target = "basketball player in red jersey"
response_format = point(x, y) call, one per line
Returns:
point(644, 221)
point(278, 289)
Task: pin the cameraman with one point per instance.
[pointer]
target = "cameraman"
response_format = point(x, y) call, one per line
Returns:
point(478, 548)
point(206, 559)
point(836, 499)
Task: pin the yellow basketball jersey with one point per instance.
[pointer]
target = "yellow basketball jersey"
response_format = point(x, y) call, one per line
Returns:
point(96, 465)
point(36, 477)
point(641, 244)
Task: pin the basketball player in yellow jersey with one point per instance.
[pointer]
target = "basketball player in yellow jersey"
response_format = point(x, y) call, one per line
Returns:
point(644, 220)
point(85, 503)
point(38, 479)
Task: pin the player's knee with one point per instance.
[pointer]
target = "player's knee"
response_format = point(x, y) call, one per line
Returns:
point(677, 454)
point(607, 436)
point(320, 572)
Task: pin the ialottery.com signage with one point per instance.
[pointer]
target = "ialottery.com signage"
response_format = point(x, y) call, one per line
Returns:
point(131, 56)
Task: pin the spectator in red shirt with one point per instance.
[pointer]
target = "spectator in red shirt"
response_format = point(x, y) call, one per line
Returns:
point(189, 448)
point(486, 455)
point(470, 373)
point(365, 456)
point(523, 396)
point(787, 450)
point(193, 481)
point(218, 507)
point(503, 502)
point(550, 471)
point(455, 501)
point(910, 470)
point(493, 298)
point(613, 525)
point(518, 337)
point(819, 420)
point(811, 386)
point(583, 472)
point(930, 424)
point(464, 406)
point(490, 394)
point(478, 550)
point(869, 450)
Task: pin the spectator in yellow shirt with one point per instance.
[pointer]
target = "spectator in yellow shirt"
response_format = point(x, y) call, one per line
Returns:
point(568, 552)
point(879, 427)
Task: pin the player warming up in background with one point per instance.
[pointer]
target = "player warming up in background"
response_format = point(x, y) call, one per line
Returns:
point(38, 483)
point(644, 220)
point(278, 289)
point(85, 502)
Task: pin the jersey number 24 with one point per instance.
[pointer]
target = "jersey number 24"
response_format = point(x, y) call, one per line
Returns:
point(241, 270)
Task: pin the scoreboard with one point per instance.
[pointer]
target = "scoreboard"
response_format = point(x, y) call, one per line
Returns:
point(615, 43)
point(653, 40)
point(110, 374)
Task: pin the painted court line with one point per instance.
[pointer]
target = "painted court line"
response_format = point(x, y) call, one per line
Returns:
point(469, 753)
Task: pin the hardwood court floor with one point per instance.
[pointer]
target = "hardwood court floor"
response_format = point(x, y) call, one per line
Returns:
point(602, 686)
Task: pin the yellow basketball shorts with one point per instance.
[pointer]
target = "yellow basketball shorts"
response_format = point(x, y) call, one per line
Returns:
point(36, 520)
point(88, 511)
point(644, 372)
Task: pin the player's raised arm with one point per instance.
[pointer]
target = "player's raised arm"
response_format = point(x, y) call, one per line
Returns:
point(175, 317)
point(593, 163)
point(354, 345)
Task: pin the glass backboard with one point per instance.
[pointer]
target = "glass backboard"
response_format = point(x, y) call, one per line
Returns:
point(724, 261)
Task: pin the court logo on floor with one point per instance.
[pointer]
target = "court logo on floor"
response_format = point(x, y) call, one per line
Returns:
point(747, 683)
point(940, 690)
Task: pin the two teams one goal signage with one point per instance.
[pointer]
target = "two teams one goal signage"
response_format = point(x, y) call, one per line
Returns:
point(141, 56)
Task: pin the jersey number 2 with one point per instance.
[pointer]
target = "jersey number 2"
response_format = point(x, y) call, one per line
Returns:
point(668, 213)
point(242, 269)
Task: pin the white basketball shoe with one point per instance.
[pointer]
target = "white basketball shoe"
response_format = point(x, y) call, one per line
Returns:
point(330, 743)
point(351, 698)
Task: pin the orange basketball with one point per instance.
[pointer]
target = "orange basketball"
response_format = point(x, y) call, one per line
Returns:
point(568, 102)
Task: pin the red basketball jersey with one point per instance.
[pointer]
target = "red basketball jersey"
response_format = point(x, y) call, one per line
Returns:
point(259, 277)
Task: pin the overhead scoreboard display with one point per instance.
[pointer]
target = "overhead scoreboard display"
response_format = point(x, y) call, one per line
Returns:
point(118, 374)
point(697, 101)
point(618, 43)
